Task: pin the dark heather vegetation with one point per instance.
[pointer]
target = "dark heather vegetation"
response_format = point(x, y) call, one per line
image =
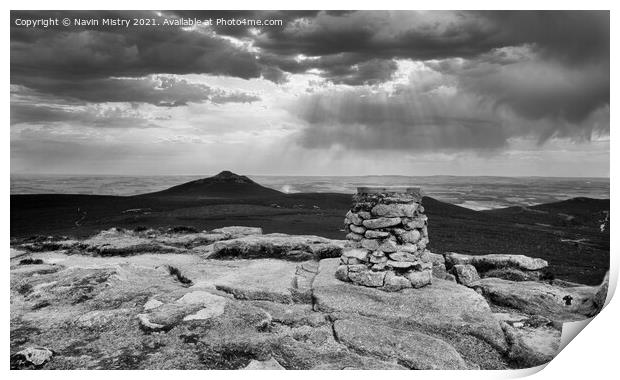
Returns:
point(176, 273)
point(567, 234)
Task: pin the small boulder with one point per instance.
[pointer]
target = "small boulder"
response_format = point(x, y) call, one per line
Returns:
point(465, 274)
point(354, 218)
point(420, 279)
point(357, 229)
point(394, 283)
point(270, 365)
point(354, 237)
point(439, 270)
point(388, 246)
point(31, 357)
point(436, 258)
point(367, 277)
point(152, 304)
point(371, 244)
point(412, 236)
point(342, 273)
point(408, 247)
point(416, 223)
point(364, 215)
point(357, 253)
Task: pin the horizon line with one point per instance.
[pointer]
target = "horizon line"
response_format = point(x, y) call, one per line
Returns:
point(306, 175)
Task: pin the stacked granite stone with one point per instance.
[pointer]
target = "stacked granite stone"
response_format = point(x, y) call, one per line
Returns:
point(387, 238)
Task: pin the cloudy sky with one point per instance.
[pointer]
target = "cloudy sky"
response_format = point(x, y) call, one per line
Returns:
point(325, 93)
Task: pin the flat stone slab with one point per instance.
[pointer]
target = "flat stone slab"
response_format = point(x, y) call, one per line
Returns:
point(537, 298)
point(269, 365)
point(441, 306)
point(494, 261)
point(264, 279)
point(238, 231)
point(281, 246)
point(533, 341)
point(411, 349)
point(115, 242)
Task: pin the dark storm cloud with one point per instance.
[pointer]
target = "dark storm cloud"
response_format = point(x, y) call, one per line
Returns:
point(156, 90)
point(115, 64)
point(99, 54)
point(537, 74)
point(342, 41)
point(79, 61)
point(511, 73)
point(538, 89)
point(82, 116)
point(570, 36)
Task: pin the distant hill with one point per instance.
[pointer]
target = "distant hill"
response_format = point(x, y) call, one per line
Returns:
point(576, 212)
point(223, 185)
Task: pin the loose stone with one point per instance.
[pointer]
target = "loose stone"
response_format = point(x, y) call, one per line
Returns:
point(381, 223)
point(388, 246)
point(378, 254)
point(378, 260)
point(373, 234)
point(354, 237)
point(402, 256)
point(412, 236)
point(342, 273)
point(395, 210)
point(354, 218)
point(394, 283)
point(364, 215)
point(367, 278)
point(357, 253)
point(357, 229)
point(371, 244)
point(419, 279)
point(399, 264)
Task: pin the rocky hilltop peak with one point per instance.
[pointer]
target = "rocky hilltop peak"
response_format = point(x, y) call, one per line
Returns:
point(226, 184)
point(228, 176)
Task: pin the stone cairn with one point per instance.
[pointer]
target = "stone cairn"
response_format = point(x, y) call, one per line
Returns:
point(387, 238)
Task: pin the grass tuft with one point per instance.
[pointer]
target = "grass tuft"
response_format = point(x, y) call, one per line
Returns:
point(30, 261)
point(174, 271)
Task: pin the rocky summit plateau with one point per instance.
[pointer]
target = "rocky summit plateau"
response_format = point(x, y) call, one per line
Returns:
point(238, 298)
point(224, 273)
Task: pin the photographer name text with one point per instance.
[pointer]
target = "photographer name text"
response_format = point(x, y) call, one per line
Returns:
point(139, 22)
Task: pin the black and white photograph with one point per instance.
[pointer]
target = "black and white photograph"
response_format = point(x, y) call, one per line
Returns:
point(306, 189)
